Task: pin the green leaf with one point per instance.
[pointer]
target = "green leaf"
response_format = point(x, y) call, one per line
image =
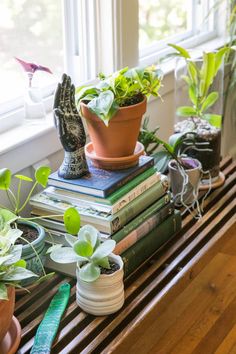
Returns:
point(45, 277)
point(89, 233)
point(104, 249)
point(193, 72)
point(3, 292)
point(192, 95)
point(72, 221)
point(207, 73)
point(219, 57)
point(18, 273)
point(214, 119)
point(161, 160)
point(42, 174)
point(83, 248)
point(71, 239)
point(5, 178)
point(104, 262)
point(89, 272)
point(66, 255)
point(53, 248)
point(103, 106)
point(186, 111)
point(24, 178)
point(209, 101)
point(15, 256)
point(7, 215)
point(183, 52)
point(21, 263)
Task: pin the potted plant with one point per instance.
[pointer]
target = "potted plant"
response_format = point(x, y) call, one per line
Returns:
point(100, 289)
point(185, 172)
point(33, 235)
point(114, 107)
point(203, 114)
point(12, 270)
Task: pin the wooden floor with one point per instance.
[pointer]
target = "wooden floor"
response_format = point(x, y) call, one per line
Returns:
point(202, 319)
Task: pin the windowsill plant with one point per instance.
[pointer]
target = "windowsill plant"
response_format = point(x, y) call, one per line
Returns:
point(113, 109)
point(100, 289)
point(203, 114)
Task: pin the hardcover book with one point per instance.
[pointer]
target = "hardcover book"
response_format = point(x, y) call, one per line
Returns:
point(100, 182)
point(106, 222)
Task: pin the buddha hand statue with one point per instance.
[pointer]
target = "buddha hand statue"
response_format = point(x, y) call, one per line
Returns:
point(71, 130)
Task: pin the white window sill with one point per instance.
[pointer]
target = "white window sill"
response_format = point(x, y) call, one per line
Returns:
point(28, 143)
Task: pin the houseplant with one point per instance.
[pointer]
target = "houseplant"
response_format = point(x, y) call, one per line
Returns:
point(12, 270)
point(185, 172)
point(33, 236)
point(113, 109)
point(200, 81)
point(99, 289)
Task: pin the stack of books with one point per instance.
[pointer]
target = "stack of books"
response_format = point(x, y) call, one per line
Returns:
point(131, 206)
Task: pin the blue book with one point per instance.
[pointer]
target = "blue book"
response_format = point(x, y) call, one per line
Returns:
point(101, 183)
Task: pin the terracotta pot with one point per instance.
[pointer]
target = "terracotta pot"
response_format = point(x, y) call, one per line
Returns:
point(103, 296)
point(6, 312)
point(176, 181)
point(120, 137)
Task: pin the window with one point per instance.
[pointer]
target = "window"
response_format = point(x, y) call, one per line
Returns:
point(84, 37)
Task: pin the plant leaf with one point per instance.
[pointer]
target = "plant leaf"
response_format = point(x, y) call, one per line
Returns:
point(89, 233)
point(219, 57)
point(72, 221)
point(214, 119)
point(21, 263)
point(3, 292)
point(18, 273)
point(42, 174)
point(103, 106)
point(104, 262)
point(5, 178)
point(71, 239)
point(7, 215)
point(207, 73)
point(183, 52)
point(104, 249)
point(162, 159)
point(89, 272)
point(83, 248)
point(186, 111)
point(66, 255)
point(24, 178)
point(209, 101)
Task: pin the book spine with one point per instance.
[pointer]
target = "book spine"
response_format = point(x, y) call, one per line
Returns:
point(119, 193)
point(143, 229)
point(128, 178)
point(135, 192)
point(147, 245)
point(140, 219)
point(137, 206)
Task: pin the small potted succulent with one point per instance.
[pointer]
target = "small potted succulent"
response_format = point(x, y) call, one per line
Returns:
point(114, 107)
point(12, 271)
point(100, 289)
point(200, 82)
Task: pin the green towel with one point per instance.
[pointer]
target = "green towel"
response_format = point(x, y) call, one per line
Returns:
point(47, 329)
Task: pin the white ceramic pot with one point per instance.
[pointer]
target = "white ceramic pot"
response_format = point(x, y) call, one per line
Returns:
point(176, 180)
point(105, 295)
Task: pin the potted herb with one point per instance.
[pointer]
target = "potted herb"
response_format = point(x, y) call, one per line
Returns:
point(12, 270)
point(100, 289)
point(33, 235)
point(203, 113)
point(114, 107)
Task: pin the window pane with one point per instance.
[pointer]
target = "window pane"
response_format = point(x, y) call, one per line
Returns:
point(159, 19)
point(32, 31)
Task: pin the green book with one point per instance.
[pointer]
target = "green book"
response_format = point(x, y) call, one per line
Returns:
point(147, 245)
point(141, 218)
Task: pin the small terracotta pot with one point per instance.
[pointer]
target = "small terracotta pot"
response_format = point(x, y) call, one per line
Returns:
point(176, 181)
point(105, 295)
point(120, 137)
point(6, 312)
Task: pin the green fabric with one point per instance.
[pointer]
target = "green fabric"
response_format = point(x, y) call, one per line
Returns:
point(47, 329)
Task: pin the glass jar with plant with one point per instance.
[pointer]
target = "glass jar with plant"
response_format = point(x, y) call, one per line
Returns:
point(199, 100)
point(113, 109)
point(100, 289)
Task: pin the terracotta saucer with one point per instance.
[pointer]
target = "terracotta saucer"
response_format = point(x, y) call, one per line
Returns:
point(217, 183)
point(114, 163)
point(11, 341)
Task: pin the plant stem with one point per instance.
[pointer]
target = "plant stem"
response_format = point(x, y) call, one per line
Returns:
point(9, 196)
point(28, 198)
point(18, 196)
point(35, 252)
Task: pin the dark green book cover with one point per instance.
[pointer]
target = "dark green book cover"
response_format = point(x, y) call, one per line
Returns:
point(145, 247)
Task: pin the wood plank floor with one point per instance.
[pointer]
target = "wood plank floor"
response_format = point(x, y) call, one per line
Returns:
point(202, 319)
